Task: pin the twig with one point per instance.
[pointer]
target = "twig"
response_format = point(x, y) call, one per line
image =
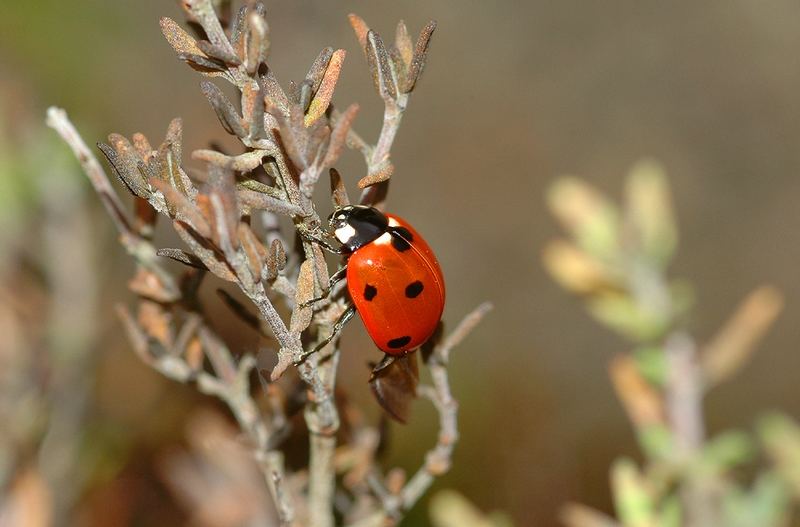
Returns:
point(323, 423)
point(392, 116)
point(137, 246)
point(464, 328)
point(439, 458)
point(379, 167)
point(57, 120)
point(684, 402)
point(684, 392)
point(234, 390)
point(321, 480)
point(233, 387)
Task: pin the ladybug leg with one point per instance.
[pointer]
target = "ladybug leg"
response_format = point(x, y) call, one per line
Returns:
point(322, 243)
point(335, 278)
point(385, 362)
point(344, 318)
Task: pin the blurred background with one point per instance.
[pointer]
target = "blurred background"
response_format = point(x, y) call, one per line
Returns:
point(513, 96)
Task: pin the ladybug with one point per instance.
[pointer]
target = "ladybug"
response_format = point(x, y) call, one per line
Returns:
point(393, 278)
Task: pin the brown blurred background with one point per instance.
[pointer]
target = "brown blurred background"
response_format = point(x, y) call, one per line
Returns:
point(514, 95)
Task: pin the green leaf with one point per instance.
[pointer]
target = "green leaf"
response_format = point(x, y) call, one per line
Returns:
point(450, 509)
point(670, 514)
point(766, 504)
point(620, 313)
point(727, 451)
point(652, 364)
point(656, 441)
point(781, 439)
point(649, 211)
point(632, 499)
point(592, 220)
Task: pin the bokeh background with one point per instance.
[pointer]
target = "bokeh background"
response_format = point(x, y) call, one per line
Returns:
point(514, 95)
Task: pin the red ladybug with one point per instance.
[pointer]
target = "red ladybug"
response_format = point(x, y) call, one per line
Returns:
point(393, 278)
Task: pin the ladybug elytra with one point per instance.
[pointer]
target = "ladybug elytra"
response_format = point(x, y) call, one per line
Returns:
point(393, 277)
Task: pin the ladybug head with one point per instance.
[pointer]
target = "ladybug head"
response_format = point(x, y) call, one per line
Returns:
point(357, 225)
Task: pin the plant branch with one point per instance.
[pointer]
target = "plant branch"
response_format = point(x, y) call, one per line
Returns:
point(231, 387)
point(57, 120)
point(439, 458)
point(294, 136)
point(323, 429)
point(684, 403)
point(137, 246)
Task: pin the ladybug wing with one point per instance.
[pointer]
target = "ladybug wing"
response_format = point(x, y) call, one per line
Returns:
point(394, 384)
point(397, 292)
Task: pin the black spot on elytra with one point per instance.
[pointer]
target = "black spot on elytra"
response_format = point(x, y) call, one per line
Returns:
point(369, 292)
point(414, 289)
point(401, 239)
point(399, 342)
point(405, 233)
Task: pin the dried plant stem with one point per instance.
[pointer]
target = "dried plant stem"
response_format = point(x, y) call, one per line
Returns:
point(684, 403)
point(57, 119)
point(290, 345)
point(392, 116)
point(683, 398)
point(323, 426)
point(684, 392)
point(295, 140)
point(379, 166)
point(270, 461)
point(142, 250)
point(321, 414)
point(439, 458)
point(322, 480)
point(234, 389)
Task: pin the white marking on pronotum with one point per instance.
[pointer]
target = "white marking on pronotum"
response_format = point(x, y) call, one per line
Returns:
point(345, 234)
point(393, 222)
point(384, 239)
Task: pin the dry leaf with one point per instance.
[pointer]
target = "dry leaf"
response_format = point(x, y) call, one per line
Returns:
point(322, 97)
point(301, 316)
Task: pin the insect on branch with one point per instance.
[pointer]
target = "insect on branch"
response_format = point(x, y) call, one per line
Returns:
point(227, 215)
